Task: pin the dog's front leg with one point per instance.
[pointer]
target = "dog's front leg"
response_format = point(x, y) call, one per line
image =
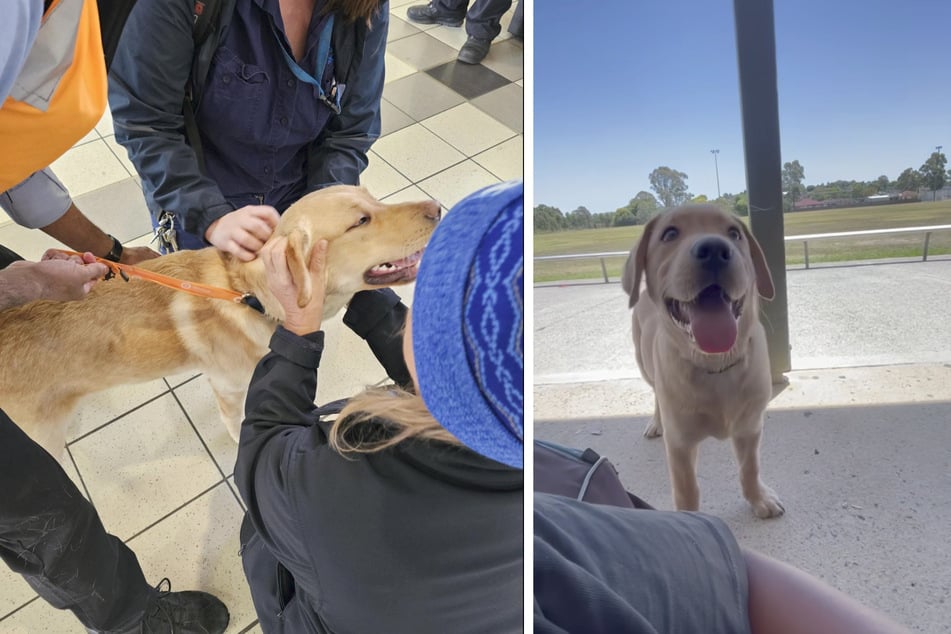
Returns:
point(230, 401)
point(763, 499)
point(682, 463)
point(655, 426)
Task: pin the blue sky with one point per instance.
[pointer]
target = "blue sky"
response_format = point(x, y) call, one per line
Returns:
point(624, 86)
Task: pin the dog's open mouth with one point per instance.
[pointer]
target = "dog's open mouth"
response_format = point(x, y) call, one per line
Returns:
point(397, 271)
point(709, 319)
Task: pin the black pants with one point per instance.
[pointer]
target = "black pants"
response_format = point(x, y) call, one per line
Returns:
point(52, 535)
point(7, 257)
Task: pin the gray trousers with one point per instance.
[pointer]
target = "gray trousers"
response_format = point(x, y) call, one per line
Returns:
point(483, 18)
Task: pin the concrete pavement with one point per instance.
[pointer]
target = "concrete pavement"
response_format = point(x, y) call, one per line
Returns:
point(858, 445)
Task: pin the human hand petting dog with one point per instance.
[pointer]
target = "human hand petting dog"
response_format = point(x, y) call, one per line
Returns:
point(300, 320)
point(244, 231)
point(56, 276)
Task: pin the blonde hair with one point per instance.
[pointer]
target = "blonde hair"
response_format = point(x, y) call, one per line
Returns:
point(380, 418)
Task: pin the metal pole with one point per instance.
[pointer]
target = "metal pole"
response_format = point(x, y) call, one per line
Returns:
point(924, 255)
point(805, 250)
point(717, 168)
point(604, 270)
point(756, 56)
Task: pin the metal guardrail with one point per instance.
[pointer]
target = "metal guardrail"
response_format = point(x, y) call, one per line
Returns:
point(805, 238)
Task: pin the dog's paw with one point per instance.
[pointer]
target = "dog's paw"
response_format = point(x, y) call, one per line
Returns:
point(653, 429)
point(768, 504)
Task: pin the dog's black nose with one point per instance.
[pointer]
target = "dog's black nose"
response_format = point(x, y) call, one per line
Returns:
point(713, 253)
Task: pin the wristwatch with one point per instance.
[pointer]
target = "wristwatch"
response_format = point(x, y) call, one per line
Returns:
point(116, 253)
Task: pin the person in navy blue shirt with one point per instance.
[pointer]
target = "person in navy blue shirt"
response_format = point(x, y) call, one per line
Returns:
point(286, 98)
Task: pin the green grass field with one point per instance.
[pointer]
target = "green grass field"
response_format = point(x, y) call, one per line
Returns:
point(800, 223)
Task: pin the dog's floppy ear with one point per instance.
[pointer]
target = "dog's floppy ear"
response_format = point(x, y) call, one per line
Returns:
point(764, 281)
point(299, 251)
point(636, 264)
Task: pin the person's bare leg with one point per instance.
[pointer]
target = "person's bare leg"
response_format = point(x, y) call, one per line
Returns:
point(786, 600)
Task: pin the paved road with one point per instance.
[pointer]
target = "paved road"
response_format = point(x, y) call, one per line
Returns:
point(839, 317)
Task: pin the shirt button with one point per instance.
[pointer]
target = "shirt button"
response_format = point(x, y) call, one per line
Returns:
point(290, 83)
point(283, 120)
point(226, 79)
point(267, 171)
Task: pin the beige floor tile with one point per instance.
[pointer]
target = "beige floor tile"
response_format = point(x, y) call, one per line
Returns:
point(104, 127)
point(41, 618)
point(118, 209)
point(199, 402)
point(380, 177)
point(144, 466)
point(88, 167)
point(505, 160)
point(420, 96)
point(347, 366)
point(452, 185)
point(451, 36)
point(393, 118)
point(29, 243)
point(177, 379)
point(409, 195)
point(396, 68)
point(399, 8)
point(421, 51)
point(14, 592)
point(92, 135)
point(417, 153)
point(505, 104)
point(398, 29)
point(506, 58)
point(98, 409)
point(123, 156)
point(197, 549)
point(468, 129)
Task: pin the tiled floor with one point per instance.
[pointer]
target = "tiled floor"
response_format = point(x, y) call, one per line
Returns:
point(154, 457)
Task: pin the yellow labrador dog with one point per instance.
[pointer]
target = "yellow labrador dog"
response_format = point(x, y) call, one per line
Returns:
point(55, 353)
point(700, 344)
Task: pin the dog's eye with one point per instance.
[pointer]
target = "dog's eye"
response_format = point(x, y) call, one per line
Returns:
point(362, 221)
point(735, 233)
point(670, 233)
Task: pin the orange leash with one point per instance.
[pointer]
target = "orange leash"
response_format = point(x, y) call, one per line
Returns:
point(127, 271)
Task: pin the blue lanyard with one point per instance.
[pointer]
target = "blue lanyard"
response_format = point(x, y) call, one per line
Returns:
point(323, 57)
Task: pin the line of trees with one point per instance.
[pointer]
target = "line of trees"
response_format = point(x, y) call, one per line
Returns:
point(670, 190)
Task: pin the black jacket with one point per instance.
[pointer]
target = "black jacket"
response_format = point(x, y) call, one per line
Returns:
point(420, 538)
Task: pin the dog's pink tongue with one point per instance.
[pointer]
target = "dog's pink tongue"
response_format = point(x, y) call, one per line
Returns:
point(712, 322)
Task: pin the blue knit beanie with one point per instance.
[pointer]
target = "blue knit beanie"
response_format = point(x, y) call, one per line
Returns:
point(468, 322)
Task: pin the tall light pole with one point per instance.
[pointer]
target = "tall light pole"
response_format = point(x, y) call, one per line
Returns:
point(717, 168)
point(934, 192)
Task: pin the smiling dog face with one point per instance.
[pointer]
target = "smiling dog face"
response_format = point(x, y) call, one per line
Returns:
point(370, 244)
point(704, 267)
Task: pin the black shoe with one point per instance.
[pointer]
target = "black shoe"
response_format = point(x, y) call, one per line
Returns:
point(474, 50)
point(190, 612)
point(427, 14)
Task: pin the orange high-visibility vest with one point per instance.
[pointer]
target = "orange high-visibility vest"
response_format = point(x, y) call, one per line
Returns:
point(60, 94)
